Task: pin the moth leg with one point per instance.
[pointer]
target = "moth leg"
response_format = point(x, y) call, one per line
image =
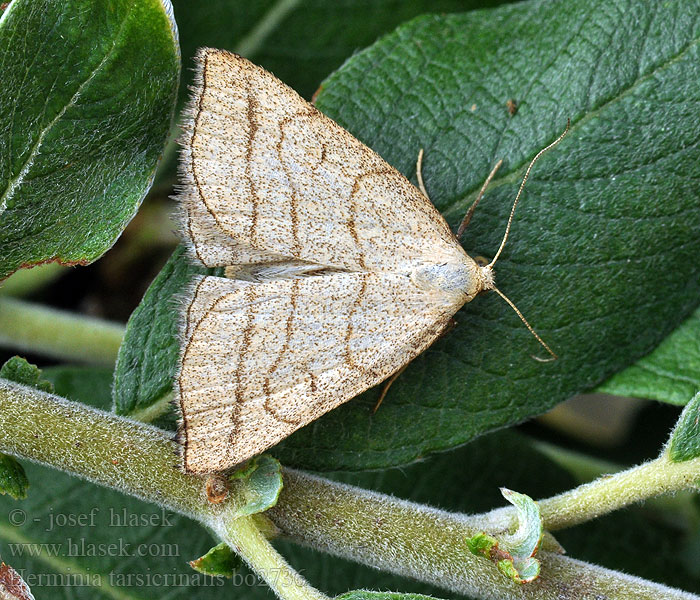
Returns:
point(472, 208)
point(419, 176)
point(387, 385)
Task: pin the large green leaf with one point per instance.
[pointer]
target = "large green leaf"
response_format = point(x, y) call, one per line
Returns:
point(601, 214)
point(671, 373)
point(604, 215)
point(301, 42)
point(87, 95)
point(147, 361)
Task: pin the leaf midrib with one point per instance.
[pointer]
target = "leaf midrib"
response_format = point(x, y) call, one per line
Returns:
point(14, 183)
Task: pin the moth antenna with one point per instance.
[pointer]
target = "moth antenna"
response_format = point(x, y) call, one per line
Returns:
point(520, 191)
point(419, 173)
point(472, 208)
point(532, 331)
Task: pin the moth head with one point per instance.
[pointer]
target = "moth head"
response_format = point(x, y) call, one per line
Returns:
point(488, 279)
point(488, 283)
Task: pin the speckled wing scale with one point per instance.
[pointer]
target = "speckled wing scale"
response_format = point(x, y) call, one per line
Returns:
point(335, 265)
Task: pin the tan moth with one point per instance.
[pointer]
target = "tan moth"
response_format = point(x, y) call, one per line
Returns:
point(338, 270)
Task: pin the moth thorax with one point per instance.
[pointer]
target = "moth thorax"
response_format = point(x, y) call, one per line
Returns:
point(459, 278)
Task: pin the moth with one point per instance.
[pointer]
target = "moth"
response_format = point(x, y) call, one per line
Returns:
point(338, 271)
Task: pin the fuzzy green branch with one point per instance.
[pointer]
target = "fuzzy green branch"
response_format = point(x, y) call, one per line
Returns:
point(429, 544)
point(29, 327)
point(606, 494)
point(371, 528)
point(677, 509)
point(138, 460)
point(248, 540)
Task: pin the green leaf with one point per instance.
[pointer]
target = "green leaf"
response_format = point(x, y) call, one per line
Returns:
point(525, 541)
point(301, 42)
point(671, 373)
point(259, 485)
point(684, 443)
point(482, 544)
point(17, 369)
point(601, 214)
point(220, 561)
point(523, 544)
point(13, 479)
point(148, 356)
point(85, 106)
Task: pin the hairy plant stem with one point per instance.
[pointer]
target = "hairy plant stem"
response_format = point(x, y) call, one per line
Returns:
point(677, 509)
point(244, 536)
point(606, 494)
point(429, 544)
point(378, 530)
point(59, 334)
point(136, 459)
